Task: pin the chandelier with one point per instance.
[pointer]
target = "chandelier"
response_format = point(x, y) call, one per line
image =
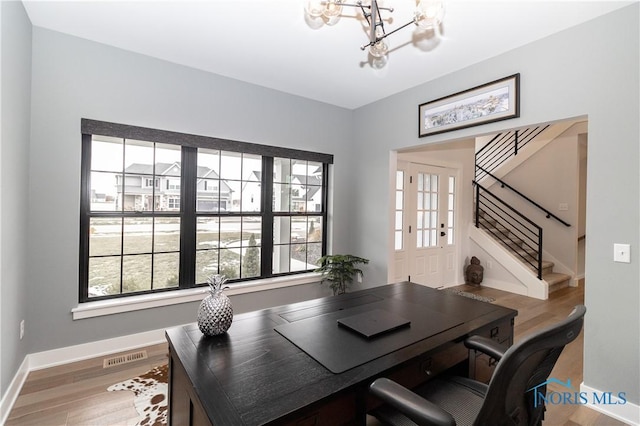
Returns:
point(427, 16)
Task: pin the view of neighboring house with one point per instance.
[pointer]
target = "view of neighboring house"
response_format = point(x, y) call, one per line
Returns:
point(146, 188)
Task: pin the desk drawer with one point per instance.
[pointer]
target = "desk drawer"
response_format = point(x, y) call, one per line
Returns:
point(425, 368)
point(337, 412)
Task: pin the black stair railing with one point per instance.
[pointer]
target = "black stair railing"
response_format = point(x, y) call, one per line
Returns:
point(504, 184)
point(513, 229)
point(502, 147)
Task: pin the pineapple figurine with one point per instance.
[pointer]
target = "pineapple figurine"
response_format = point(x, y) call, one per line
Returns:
point(215, 313)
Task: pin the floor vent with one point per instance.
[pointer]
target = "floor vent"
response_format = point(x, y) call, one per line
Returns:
point(124, 359)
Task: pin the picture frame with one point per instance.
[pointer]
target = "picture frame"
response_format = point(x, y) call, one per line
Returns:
point(494, 101)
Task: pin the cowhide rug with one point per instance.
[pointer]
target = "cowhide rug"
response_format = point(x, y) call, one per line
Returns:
point(150, 395)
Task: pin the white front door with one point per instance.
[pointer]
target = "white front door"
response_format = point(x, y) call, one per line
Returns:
point(431, 216)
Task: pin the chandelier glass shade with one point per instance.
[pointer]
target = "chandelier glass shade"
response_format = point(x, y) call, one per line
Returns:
point(427, 15)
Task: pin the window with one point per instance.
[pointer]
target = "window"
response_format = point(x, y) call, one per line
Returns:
point(399, 211)
point(148, 183)
point(298, 221)
point(163, 211)
point(451, 210)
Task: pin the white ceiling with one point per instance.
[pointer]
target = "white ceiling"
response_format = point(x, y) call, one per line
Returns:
point(268, 42)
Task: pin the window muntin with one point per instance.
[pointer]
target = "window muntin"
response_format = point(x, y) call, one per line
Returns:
point(168, 212)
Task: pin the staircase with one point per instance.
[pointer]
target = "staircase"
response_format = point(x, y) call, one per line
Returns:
point(517, 239)
point(527, 255)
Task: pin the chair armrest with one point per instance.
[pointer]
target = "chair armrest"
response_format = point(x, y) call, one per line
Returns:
point(410, 404)
point(486, 346)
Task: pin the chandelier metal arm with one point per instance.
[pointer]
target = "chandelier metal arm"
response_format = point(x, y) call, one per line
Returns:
point(367, 6)
point(427, 15)
point(385, 35)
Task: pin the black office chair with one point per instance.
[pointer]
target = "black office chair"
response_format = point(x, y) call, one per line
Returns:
point(507, 400)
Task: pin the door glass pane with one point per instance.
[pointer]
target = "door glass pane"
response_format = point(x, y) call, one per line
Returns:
point(399, 220)
point(451, 211)
point(400, 180)
point(427, 210)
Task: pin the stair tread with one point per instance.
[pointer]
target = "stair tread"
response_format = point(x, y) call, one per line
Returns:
point(555, 277)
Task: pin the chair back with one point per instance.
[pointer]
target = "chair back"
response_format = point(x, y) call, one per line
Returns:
point(519, 380)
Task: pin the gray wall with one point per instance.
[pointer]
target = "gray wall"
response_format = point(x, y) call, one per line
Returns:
point(14, 167)
point(590, 70)
point(75, 78)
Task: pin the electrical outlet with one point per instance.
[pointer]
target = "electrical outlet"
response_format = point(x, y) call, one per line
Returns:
point(21, 329)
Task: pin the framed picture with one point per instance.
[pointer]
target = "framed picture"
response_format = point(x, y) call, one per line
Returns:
point(494, 101)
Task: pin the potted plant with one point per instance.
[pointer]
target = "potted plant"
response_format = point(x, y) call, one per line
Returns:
point(339, 270)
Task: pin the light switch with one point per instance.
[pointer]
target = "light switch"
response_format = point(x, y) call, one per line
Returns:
point(563, 207)
point(622, 253)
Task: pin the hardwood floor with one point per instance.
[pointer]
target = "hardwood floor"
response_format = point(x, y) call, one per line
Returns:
point(75, 394)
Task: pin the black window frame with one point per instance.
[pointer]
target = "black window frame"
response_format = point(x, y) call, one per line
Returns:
point(188, 214)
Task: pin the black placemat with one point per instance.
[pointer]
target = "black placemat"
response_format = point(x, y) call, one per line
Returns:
point(339, 349)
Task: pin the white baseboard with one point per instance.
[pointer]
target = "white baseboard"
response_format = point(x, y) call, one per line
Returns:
point(10, 396)
point(52, 358)
point(628, 413)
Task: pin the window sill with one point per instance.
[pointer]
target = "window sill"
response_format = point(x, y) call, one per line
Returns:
point(147, 301)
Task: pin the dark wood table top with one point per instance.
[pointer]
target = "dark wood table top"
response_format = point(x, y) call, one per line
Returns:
point(253, 375)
